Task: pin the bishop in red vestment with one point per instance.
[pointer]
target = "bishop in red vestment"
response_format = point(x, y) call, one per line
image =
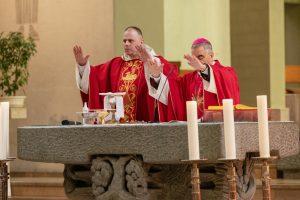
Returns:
point(211, 82)
point(208, 84)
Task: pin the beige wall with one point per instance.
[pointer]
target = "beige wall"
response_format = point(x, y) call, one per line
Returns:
point(51, 92)
point(292, 34)
point(148, 15)
point(257, 44)
point(184, 21)
point(257, 49)
point(277, 53)
point(250, 47)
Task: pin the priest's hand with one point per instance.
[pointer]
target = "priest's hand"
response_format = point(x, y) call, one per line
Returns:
point(144, 54)
point(80, 58)
point(155, 67)
point(195, 62)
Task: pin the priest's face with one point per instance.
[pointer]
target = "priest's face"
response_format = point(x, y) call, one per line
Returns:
point(131, 39)
point(203, 55)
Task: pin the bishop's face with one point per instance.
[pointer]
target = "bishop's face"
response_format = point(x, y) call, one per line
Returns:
point(203, 55)
point(130, 40)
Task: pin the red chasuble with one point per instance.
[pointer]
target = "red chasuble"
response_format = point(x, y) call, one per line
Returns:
point(226, 84)
point(119, 75)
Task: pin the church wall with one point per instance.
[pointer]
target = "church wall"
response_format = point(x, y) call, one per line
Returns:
point(198, 18)
point(147, 15)
point(277, 54)
point(249, 24)
point(292, 34)
point(257, 50)
point(51, 92)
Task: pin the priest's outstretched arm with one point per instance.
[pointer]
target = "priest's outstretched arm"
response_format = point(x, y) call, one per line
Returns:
point(157, 82)
point(82, 69)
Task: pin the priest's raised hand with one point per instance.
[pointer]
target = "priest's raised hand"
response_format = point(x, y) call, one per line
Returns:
point(79, 56)
point(152, 63)
point(155, 67)
point(144, 54)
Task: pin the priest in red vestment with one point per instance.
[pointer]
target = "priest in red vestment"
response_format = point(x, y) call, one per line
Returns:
point(131, 73)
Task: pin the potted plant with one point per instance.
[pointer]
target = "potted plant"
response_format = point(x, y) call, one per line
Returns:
point(15, 53)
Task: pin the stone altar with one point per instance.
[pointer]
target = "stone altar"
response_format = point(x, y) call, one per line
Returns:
point(142, 161)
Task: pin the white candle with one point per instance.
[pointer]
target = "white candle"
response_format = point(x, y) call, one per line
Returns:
point(263, 126)
point(192, 124)
point(5, 106)
point(4, 112)
point(2, 144)
point(3, 132)
point(229, 132)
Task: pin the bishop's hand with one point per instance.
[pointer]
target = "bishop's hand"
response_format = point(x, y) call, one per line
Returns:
point(194, 62)
point(79, 57)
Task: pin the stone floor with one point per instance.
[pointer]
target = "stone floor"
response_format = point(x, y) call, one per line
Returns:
point(38, 188)
point(51, 188)
point(282, 189)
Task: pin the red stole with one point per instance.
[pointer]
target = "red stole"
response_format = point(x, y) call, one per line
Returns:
point(130, 76)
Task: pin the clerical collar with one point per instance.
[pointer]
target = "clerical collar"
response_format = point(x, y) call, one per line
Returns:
point(126, 57)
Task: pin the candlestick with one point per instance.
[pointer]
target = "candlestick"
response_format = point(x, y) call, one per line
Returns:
point(231, 177)
point(229, 133)
point(4, 177)
point(195, 177)
point(265, 175)
point(192, 124)
point(263, 126)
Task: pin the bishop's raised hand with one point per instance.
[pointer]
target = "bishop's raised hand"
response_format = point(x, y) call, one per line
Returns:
point(79, 57)
point(194, 62)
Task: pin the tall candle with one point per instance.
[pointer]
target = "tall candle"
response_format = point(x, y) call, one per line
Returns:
point(2, 144)
point(229, 132)
point(3, 137)
point(263, 126)
point(192, 124)
point(6, 125)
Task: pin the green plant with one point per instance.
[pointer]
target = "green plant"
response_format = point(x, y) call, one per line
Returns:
point(15, 53)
